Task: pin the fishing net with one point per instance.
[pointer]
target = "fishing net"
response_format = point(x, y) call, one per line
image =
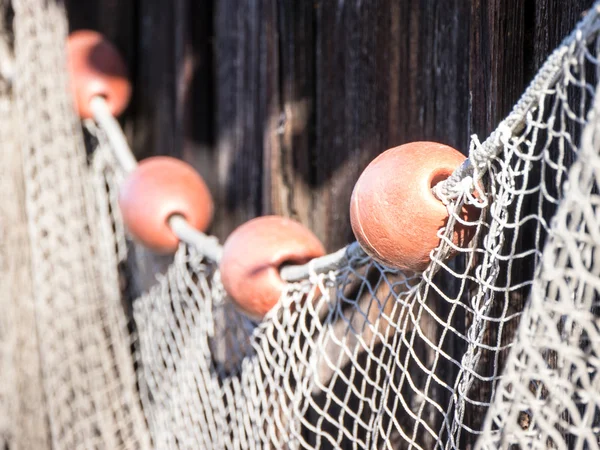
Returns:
point(551, 381)
point(492, 348)
point(69, 380)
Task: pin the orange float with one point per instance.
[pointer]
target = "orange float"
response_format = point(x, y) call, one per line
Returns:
point(157, 189)
point(394, 214)
point(253, 255)
point(97, 69)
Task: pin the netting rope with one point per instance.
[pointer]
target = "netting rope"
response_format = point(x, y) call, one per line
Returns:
point(495, 348)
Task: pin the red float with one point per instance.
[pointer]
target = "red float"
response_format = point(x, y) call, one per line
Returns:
point(253, 256)
point(394, 214)
point(97, 69)
point(159, 188)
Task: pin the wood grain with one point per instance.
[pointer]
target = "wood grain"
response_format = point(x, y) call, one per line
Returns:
point(281, 104)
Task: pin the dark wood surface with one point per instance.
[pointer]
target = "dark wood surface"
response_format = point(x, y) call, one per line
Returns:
point(280, 104)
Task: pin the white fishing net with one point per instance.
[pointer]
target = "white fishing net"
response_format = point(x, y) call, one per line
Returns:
point(549, 395)
point(493, 348)
point(70, 380)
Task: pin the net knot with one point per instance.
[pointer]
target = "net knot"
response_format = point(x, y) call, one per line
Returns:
point(464, 184)
point(454, 190)
point(481, 153)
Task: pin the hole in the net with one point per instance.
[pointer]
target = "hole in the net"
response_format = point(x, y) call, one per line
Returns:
point(438, 176)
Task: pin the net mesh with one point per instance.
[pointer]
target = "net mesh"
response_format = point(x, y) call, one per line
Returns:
point(497, 346)
point(548, 396)
point(70, 339)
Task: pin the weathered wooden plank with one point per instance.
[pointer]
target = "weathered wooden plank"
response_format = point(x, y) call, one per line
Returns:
point(199, 99)
point(246, 90)
point(351, 106)
point(289, 160)
point(496, 80)
point(159, 78)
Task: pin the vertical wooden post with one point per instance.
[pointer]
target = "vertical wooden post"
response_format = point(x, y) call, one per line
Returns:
point(509, 41)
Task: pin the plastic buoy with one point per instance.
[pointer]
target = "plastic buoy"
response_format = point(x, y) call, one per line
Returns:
point(395, 216)
point(97, 69)
point(253, 255)
point(157, 189)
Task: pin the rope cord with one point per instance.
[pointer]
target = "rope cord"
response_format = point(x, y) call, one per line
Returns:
point(480, 154)
point(209, 245)
point(114, 133)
